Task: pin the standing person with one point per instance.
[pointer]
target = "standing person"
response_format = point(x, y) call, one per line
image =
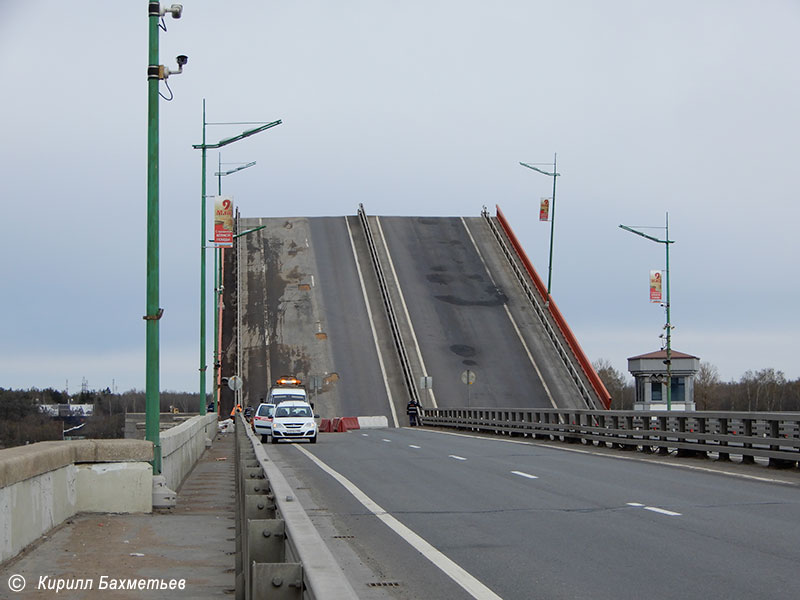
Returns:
point(412, 410)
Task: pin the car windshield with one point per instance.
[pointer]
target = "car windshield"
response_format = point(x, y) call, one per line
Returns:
point(286, 397)
point(293, 411)
point(266, 410)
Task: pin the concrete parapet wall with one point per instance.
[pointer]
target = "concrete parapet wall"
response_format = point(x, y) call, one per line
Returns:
point(24, 462)
point(115, 487)
point(31, 507)
point(183, 444)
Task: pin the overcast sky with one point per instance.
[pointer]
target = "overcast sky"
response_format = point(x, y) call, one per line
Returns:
point(412, 108)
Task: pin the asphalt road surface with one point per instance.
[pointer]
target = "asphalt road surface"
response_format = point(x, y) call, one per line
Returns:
point(526, 520)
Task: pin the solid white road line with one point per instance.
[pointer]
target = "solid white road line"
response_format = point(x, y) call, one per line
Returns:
point(469, 583)
point(371, 325)
point(528, 475)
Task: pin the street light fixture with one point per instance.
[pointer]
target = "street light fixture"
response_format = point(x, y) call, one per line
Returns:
point(220, 174)
point(204, 146)
point(668, 325)
point(554, 174)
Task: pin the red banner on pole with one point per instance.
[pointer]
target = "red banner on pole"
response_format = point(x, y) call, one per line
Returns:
point(223, 221)
point(655, 286)
point(544, 209)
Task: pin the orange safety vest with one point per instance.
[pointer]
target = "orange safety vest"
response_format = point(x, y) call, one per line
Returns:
point(235, 409)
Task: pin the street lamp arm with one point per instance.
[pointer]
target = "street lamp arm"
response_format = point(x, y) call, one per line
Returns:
point(644, 235)
point(236, 170)
point(249, 231)
point(236, 138)
point(540, 170)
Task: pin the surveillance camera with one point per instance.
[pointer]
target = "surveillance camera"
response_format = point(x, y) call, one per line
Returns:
point(176, 10)
point(182, 59)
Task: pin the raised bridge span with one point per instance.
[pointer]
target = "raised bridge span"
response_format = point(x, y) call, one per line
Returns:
point(362, 308)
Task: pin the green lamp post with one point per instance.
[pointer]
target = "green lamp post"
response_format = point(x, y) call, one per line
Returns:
point(668, 325)
point(203, 147)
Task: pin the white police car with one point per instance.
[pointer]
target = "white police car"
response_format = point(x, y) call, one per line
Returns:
point(294, 420)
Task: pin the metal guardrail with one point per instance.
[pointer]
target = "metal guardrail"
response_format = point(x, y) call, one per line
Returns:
point(548, 312)
point(279, 553)
point(775, 436)
point(397, 338)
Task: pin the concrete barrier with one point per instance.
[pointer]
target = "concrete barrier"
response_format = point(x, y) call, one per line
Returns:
point(373, 422)
point(342, 424)
point(348, 423)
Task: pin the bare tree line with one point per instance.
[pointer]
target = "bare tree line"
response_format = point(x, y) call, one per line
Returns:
point(22, 421)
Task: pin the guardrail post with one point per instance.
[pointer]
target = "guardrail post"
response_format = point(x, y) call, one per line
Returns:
point(628, 427)
point(265, 540)
point(663, 423)
point(723, 433)
point(683, 452)
point(276, 581)
point(775, 434)
point(748, 432)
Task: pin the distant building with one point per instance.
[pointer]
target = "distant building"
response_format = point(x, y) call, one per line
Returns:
point(650, 374)
point(67, 410)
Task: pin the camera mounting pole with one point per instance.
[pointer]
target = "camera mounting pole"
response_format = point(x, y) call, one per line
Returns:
point(153, 312)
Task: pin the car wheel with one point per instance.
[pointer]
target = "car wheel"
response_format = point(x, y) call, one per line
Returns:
point(274, 440)
point(313, 440)
point(264, 439)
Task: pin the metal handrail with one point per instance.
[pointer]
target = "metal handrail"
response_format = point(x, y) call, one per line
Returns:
point(397, 338)
point(771, 435)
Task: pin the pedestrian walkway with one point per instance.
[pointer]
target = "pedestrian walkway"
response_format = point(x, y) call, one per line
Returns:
point(191, 545)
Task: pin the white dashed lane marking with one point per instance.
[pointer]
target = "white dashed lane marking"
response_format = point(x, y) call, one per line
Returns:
point(655, 509)
point(527, 475)
point(457, 457)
